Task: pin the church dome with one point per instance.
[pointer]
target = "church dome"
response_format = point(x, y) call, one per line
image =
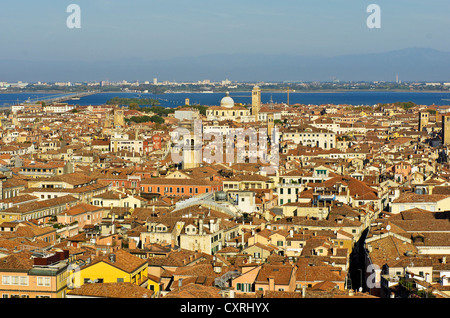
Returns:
point(227, 101)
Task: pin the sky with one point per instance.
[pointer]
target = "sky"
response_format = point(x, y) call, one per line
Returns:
point(140, 39)
point(158, 29)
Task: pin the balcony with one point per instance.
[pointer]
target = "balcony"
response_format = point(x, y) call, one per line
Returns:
point(407, 287)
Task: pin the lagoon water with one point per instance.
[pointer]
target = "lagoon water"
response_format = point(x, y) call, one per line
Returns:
point(211, 99)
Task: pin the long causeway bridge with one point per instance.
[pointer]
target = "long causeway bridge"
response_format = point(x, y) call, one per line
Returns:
point(60, 98)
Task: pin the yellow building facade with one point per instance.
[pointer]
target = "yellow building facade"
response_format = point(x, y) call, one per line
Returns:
point(119, 266)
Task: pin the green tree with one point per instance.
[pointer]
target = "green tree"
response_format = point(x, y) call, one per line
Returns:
point(157, 119)
point(134, 106)
point(129, 101)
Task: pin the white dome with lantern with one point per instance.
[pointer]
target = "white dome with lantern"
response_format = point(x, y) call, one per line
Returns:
point(227, 101)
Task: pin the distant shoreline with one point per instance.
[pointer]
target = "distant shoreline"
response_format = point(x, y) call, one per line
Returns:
point(231, 92)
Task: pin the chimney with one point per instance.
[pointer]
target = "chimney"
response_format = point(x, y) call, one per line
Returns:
point(112, 258)
point(444, 281)
point(200, 226)
point(132, 244)
point(113, 225)
point(444, 260)
point(271, 283)
point(304, 291)
point(180, 282)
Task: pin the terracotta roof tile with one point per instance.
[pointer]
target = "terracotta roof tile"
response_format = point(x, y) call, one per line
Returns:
point(112, 290)
point(194, 291)
point(124, 261)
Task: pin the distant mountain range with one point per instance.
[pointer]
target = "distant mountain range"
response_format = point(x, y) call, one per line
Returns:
point(412, 64)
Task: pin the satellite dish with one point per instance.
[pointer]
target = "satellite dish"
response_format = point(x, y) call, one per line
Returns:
point(388, 227)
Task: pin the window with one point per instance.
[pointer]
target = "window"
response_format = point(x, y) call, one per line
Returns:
point(14, 280)
point(6, 280)
point(44, 281)
point(23, 281)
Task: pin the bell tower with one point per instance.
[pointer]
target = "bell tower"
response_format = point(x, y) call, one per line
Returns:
point(192, 152)
point(119, 118)
point(423, 120)
point(256, 101)
point(446, 130)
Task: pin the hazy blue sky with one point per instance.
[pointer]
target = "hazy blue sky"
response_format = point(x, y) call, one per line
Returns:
point(154, 29)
